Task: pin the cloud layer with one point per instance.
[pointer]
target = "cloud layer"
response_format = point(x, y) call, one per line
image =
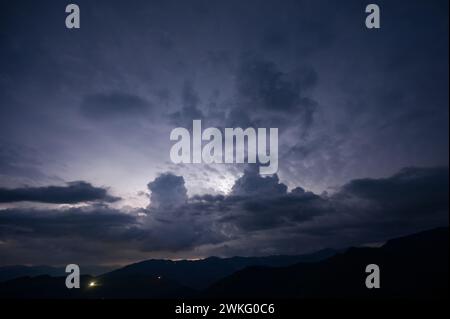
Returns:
point(72, 193)
point(259, 217)
point(98, 104)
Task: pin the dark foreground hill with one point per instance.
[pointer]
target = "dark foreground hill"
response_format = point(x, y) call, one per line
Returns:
point(199, 274)
point(133, 287)
point(412, 266)
point(147, 279)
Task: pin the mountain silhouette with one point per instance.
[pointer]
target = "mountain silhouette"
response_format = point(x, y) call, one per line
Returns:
point(17, 271)
point(411, 266)
point(146, 279)
point(199, 274)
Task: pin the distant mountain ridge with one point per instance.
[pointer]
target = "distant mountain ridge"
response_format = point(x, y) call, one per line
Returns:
point(412, 266)
point(199, 274)
point(17, 271)
point(148, 279)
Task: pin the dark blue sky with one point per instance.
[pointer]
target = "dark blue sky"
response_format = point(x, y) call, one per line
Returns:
point(85, 117)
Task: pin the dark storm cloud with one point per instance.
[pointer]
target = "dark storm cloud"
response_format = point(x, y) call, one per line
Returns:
point(61, 236)
point(114, 105)
point(375, 209)
point(190, 107)
point(265, 95)
point(411, 197)
point(413, 188)
point(262, 84)
point(72, 193)
point(252, 184)
point(361, 211)
point(269, 213)
point(263, 203)
point(268, 96)
point(372, 206)
point(167, 190)
point(92, 223)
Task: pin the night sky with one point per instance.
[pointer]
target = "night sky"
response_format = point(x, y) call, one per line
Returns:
point(86, 114)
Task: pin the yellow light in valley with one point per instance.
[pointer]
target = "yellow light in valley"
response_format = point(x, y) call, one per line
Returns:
point(92, 284)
